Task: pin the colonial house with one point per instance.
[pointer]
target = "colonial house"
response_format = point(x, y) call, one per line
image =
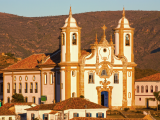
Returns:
point(67, 109)
point(105, 76)
point(144, 89)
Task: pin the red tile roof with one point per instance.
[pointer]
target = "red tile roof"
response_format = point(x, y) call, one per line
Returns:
point(5, 111)
point(76, 103)
point(154, 77)
point(71, 103)
point(53, 112)
point(42, 107)
point(91, 118)
point(84, 52)
point(27, 63)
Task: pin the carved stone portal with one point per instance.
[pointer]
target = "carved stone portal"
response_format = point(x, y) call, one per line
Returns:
point(107, 88)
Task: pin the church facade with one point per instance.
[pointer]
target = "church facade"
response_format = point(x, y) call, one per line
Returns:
point(104, 76)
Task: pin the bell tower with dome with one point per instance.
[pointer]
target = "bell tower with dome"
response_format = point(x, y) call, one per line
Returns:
point(124, 43)
point(70, 53)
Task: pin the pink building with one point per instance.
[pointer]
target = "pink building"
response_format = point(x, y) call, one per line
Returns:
point(144, 89)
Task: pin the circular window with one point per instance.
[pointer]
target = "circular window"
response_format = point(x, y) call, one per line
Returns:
point(20, 78)
point(34, 78)
point(104, 50)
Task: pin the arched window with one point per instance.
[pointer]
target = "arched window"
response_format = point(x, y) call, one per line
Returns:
point(31, 88)
point(34, 100)
point(74, 39)
point(127, 40)
point(137, 89)
point(8, 88)
point(142, 89)
point(45, 78)
point(14, 90)
point(8, 99)
point(116, 80)
point(151, 89)
point(90, 80)
point(20, 88)
point(26, 87)
point(146, 88)
point(26, 99)
point(63, 39)
point(156, 88)
point(104, 73)
point(51, 78)
point(36, 87)
point(73, 94)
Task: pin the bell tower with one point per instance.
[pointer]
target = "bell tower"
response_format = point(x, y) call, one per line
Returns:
point(70, 53)
point(70, 40)
point(124, 42)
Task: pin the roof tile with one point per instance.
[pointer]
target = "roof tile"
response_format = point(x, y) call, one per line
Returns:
point(154, 77)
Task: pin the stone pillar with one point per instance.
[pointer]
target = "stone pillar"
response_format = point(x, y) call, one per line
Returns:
point(81, 83)
point(124, 101)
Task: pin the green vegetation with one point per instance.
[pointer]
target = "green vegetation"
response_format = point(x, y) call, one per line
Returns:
point(81, 96)
point(126, 109)
point(17, 98)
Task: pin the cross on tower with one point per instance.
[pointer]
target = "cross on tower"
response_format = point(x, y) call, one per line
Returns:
point(104, 28)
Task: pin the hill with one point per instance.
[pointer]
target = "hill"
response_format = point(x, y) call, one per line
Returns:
point(24, 36)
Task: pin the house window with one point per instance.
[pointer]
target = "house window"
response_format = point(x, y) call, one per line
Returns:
point(139, 99)
point(137, 89)
point(32, 116)
point(103, 73)
point(151, 89)
point(63, 39)
point(8, 100)
point(65, 116)
point(100, 115)
point(31, 88)
point(26, 99)
point(45, 79)
point(36, 87)
point(146, 89)
point(142, 89)
point(127, 40)
point(74, 39)
point(116, 79)
point(10, 118)
point(90, 80)
point(88, 115)
point(45, 116)
point(3, 118)
point(129, 95)
point(20, 78)
point(34, 78)
point(14, 90)
point(75, 115)
point(73, 73)
point(34, 99)
point(8, 88)
point(73, 94)
point(26, 87)
point(51, 78)
point(156, 88)
point(26, 78)
point(20, 88)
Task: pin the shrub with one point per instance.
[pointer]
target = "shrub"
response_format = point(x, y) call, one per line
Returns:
point(17, 98)
point(81, 96)
point(138, 111)
point(126, 109)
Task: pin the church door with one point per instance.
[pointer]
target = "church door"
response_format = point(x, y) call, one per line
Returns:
point(104, 98)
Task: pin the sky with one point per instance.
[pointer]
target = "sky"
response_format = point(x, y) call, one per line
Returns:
point(38, 8)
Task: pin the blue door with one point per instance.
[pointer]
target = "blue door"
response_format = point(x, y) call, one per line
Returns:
point(104, 98)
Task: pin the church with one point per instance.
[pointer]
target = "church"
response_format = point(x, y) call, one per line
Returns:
point(105, 76)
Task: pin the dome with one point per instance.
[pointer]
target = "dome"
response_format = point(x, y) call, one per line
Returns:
point(123, 22)
point(72, 21)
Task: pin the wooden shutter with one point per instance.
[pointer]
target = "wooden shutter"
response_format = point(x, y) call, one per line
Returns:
point(102, 115)
point(77, 114)
point(43, 116)
point(97, 115)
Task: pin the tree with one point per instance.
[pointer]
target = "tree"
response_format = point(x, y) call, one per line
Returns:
point(17, 98)
point(157, 97)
